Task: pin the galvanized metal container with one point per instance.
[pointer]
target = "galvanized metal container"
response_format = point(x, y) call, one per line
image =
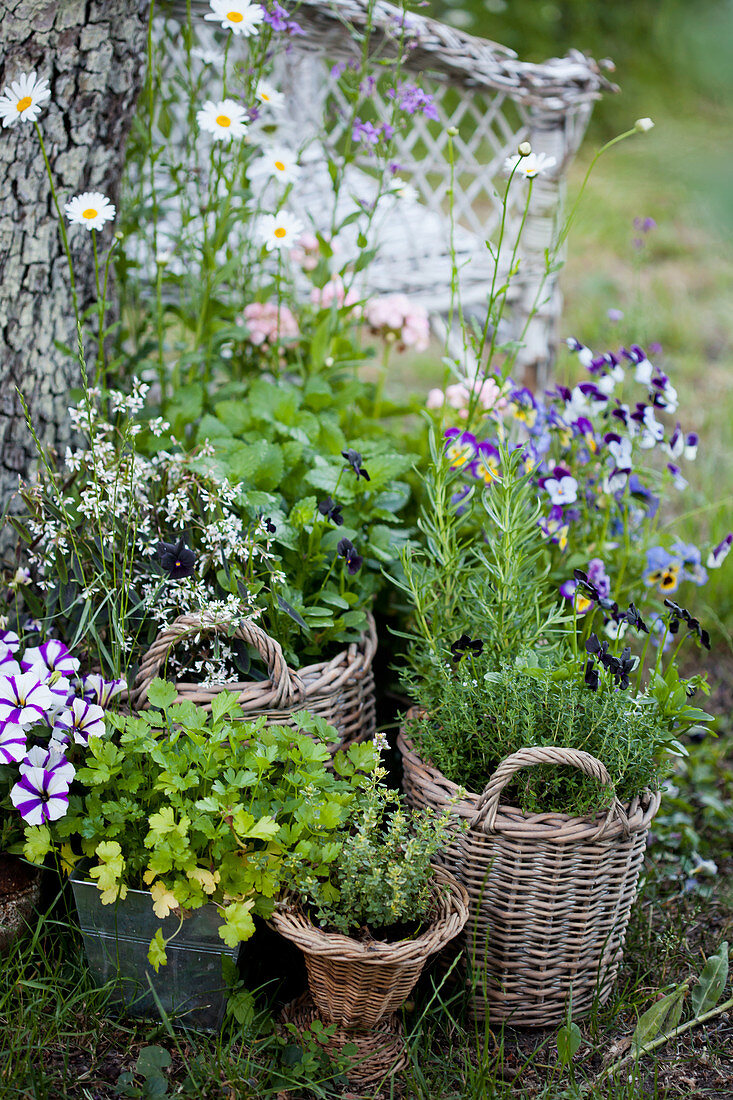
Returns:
point(191, 988)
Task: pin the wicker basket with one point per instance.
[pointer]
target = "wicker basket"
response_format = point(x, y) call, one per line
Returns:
point(355, 985)
point(340, 690)
point(550, 894)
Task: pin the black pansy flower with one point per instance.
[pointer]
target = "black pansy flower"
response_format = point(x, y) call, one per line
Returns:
point(679, 614)
point(354, 460)
point(633, 618)
point(176, 558)
point(591, 675)
point(331, 510)
point(268, 525)
point(464, 645)
point(347, 550)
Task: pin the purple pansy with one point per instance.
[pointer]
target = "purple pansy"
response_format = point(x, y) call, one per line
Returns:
point(562, 486)
point(486, 465)
point(460, 447)
point(644, 369)
point(40, 796)
point(678, 480)
point(81, 721)
point(717, 556)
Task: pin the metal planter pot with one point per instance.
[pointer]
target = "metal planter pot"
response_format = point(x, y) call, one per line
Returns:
point(191, 988)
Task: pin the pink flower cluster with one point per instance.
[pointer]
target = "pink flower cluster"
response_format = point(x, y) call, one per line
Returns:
point(268, 325)
point(394, 316)
point(487, 396)
point(332, 292)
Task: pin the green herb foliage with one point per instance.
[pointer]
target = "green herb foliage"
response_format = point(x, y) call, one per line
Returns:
point(477, 716)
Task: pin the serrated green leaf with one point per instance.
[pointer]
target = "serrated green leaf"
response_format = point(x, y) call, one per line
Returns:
point(711, 983)
point(161, 693)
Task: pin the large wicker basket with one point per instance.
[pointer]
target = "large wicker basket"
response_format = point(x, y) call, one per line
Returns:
point(355, 985)
point(340, 690)
point(550, 894)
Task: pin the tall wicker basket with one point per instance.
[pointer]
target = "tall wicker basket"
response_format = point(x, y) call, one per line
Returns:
point(340, 690)
point(550, 894)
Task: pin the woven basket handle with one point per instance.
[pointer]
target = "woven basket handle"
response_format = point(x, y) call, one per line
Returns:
point(487, 806)
point(287, 685)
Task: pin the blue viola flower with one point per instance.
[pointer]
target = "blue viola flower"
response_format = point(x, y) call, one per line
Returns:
point(662, 570)
point(460, 447)
point(717, 556)
point(691, 559)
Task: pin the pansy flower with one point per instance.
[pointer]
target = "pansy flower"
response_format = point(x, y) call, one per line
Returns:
point(354, 460)
point(177, 559)
point(585, 355)
point(555, 527)
point(331, 510)
point(691, 559)
point(347, 550)
point(30, 697)
point(50, 656)
point(524, 406)
point(40, 796)
point(662, 570)
point(680, 614)
point(717, 556)
point(464, 645)
point(79, 722)
point(460, 447)
point(486, 465)
point(562, 486)
point(640, 492)
point(50, 759)
point(97, 690)
point(644, 369)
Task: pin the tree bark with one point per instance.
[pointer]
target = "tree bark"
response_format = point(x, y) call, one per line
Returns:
point(92, 53)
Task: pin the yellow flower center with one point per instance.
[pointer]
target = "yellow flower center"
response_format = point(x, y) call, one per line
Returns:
point(582, 603)
point(265, 97)
point(89, 213)
point(235, 16)
point(280, 232)
point(223, 120)
point(24, 103)
point(280, 166)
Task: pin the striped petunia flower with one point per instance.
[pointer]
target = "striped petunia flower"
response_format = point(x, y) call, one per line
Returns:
point(40, 795)
point(51, 759)
point(50, 656)
point(12, 743)
point(79, 722)
point(30, 697)
point(97, 690)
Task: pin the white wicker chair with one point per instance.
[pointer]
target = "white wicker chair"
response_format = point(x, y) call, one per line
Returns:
point(494, 102)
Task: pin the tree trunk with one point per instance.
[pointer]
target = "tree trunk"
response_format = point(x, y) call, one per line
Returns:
point(92, 53)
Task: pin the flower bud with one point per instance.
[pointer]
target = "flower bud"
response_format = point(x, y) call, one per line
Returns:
point(643, 124)
point(524, 149)
point(453, 131)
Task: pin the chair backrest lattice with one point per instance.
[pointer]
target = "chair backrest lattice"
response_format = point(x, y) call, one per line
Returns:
point(490, 102)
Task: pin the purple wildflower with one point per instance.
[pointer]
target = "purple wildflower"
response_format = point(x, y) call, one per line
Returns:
point(278, 18)
point(414, 101)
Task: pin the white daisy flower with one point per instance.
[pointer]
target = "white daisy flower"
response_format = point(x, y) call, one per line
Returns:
point(23, 99)
point(225, 119)
point(279, 230)
point(239, 16)
point(91, 209)
point(278, 162)
point(530, 166)
point(268, 95)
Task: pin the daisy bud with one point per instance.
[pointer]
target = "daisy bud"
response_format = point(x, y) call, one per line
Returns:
point(643, 124)
point(453, 131)
point(524, 149)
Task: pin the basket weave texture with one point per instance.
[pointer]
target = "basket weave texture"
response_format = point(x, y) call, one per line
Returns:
point(550, 894)
point(379, 1052)
point(355, 985)
point(340, 690)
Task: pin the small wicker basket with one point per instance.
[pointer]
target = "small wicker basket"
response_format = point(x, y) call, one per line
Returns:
point(355, 985)
point(550, 894)
point(340, 690)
